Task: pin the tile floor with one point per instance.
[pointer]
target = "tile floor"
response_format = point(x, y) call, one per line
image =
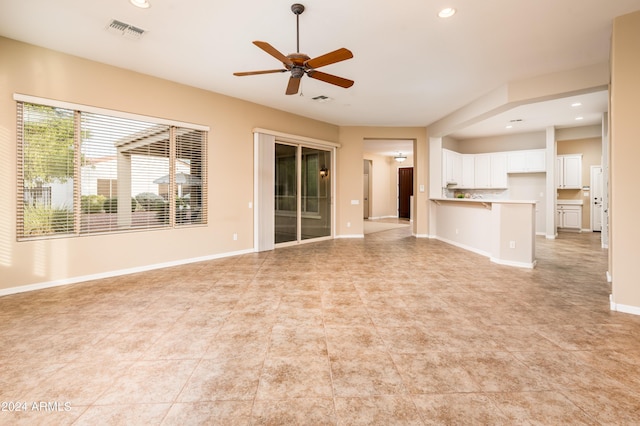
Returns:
point(386, 330)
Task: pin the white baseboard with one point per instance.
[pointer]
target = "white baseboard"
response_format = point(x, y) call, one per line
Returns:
point(551, 237)
point(626, 309)
point(465, 247)
point(422, 236)
point(527, 265)
point(109, 274)
point(350, 236)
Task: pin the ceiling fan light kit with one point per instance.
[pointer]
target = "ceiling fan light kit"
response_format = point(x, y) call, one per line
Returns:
point(300, 64)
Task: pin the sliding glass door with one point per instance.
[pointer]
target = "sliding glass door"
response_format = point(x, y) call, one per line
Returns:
point(302, 193)
point(286, 193)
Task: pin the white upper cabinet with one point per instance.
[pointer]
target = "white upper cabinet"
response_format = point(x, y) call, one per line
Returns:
point(482, 170)
point(468, 171)
point(451, 168)
point(498, 166)
point(569, 171)
point(490, 170)
point(527, 161)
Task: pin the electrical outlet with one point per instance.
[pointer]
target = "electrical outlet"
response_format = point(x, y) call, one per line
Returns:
point(457, 232)
point(512, 244)
point(348, 224)
point(235, 237)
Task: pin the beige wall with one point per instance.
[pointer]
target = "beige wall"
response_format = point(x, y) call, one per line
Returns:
point(624, 243)
point(514, 142)
point(591, 150)
point(35, 71)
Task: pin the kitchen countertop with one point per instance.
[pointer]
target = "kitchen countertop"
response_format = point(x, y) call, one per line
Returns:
point(484, 200)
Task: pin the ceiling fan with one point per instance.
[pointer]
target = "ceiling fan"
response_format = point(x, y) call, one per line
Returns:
point(300, 64)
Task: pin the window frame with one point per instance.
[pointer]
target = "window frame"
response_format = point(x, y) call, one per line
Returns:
point(78, 110)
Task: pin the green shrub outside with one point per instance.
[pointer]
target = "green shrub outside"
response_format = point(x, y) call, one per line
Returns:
point(92, 203)
point(40, 220)
point(111, 205)
point(150, 202)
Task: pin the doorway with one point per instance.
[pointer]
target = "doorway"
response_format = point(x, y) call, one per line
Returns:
point(405, 192)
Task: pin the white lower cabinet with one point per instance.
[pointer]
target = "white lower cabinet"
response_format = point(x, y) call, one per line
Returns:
point(569, 216)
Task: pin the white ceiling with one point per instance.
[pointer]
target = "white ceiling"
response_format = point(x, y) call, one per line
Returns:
point(410, 67)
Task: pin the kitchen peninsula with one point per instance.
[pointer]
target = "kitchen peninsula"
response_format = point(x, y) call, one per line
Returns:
point(503, 230)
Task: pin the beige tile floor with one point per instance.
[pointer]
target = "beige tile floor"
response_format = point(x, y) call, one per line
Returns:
point(385, 330)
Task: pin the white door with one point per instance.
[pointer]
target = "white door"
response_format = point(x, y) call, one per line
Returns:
point(596, 198)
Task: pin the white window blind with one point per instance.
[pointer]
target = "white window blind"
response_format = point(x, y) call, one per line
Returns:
point(84, 173)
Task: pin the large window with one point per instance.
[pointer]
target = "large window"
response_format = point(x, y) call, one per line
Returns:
point(85, 172)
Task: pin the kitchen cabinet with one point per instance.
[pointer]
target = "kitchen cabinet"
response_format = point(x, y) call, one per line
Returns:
point(468, 171)
point(526, 161)
point(569, 171)
point(498, 165)
point(482, 170)
point(569, 216)
point(490, 170)
point(451, 168)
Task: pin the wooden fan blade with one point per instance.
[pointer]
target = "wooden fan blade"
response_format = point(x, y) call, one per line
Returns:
point(341, 54)
point(293, 86)
point(273, 52)
point(332, 79)
point(240, 74)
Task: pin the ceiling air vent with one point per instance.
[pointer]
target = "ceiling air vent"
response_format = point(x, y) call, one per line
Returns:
point(322, 99)
point(125, 30)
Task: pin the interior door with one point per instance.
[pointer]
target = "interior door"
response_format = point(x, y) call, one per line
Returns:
point(596, 198)
point(365, 196)
point(366, 189)
point(405, 191)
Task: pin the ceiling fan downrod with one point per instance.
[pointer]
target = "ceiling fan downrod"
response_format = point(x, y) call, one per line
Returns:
point(297, 9)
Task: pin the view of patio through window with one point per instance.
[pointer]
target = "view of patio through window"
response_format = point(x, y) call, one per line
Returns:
point(85, 172)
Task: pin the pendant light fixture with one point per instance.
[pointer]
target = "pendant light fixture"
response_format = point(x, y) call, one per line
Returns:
point(400, 158)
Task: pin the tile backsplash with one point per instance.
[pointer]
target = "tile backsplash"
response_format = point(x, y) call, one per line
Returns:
point(492, 194)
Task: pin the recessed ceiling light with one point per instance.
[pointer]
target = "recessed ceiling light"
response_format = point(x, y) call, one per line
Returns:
point(576, 104)
point(144, 4)
point(447, 12)
point(508, 126)
point(579, 118)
